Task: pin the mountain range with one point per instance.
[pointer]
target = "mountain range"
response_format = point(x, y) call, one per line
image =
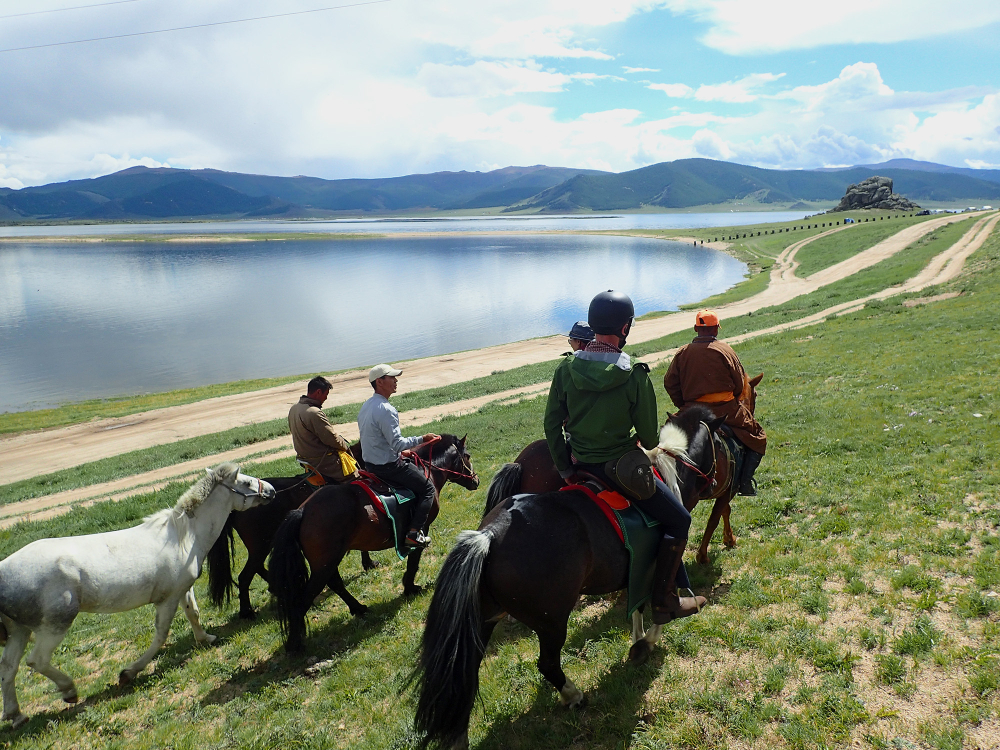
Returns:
point(143, 194)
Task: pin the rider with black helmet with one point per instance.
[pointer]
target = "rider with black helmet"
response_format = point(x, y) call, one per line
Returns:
point(600, 396)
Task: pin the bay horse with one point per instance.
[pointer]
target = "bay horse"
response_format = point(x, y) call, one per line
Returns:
point(533, 472)
point(338, 518)
point(256, 528)
point(532, 558)
point(44, 585)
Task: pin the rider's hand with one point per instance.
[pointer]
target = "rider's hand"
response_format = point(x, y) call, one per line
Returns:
point(569, 476)
point(431, 436)
point(406, 454)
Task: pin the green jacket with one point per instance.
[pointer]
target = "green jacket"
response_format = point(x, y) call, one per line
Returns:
point(600, 398)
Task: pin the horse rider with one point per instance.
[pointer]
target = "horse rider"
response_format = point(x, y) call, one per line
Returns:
point(601, 395)
point(707, 371)
point(315, 441)
point(580, 335)
point(384, 448)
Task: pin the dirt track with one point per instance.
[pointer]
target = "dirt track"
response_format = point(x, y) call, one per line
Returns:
point(37, 453)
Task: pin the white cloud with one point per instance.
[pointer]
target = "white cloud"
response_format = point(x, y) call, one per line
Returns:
point(738, 27)
point(737, 92)
point(488, 79)
point(673, 90)
point(628, 69)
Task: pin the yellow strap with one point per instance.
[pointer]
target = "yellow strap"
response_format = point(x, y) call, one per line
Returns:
point(347, 463)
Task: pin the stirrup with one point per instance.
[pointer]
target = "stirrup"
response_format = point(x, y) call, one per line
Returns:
point(692, 595)
point(418, 541)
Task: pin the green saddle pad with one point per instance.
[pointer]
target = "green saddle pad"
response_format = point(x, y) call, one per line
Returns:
point(642, 539)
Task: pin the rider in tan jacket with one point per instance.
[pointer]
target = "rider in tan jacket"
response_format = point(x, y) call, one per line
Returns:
point(313, 437)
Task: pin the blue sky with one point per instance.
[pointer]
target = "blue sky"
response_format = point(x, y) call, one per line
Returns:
point(407, 86)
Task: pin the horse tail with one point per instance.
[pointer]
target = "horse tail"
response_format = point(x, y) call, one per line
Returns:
point(288, 578)
point(220, 570)
point(3, 634)
point(505, 483)
point(447, 673)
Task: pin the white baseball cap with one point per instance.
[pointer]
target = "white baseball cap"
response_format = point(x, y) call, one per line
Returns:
point(379, 371)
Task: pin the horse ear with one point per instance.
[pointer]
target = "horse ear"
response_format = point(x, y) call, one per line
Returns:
point(754, 382)
point(462, 441)
point(716, 423)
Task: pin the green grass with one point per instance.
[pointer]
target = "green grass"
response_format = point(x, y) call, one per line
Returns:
point(874, 457)
point(828, 251)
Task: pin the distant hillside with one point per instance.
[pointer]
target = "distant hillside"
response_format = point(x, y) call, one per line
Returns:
point(990, 175)
point(694, 182)
point(140, 193)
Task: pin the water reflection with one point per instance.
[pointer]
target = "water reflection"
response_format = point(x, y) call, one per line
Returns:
point(85, 321)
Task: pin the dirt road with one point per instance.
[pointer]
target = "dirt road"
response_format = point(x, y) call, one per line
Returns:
point(31, 454)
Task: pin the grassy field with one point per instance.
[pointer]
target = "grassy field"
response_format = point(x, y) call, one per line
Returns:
point(860, 608)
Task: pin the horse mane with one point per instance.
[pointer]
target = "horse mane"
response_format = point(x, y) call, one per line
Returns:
point(180, 515)
point(675, 440)
point(437, 449)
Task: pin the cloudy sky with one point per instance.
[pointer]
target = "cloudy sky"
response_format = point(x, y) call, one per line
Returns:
point(402, 86)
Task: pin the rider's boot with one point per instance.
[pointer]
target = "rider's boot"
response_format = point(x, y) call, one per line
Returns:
point(750, 463)
point(417, 539)
point(667, 605)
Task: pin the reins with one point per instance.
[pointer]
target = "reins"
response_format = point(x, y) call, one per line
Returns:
point(683, 460)
point(427, 464)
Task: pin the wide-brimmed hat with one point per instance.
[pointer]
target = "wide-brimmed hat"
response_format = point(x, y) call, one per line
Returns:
point(380, 371)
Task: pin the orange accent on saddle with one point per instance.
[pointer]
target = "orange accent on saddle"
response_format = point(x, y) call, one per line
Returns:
point(602, 503)
point(365, 483)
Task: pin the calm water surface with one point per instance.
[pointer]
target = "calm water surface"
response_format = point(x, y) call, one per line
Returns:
point(82, 321)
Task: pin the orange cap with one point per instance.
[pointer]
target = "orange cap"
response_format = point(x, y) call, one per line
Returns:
point(706, 318)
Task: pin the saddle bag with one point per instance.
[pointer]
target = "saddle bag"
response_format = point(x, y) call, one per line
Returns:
point(633, 472)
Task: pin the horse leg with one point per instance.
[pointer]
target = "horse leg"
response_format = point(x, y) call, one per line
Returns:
point(165, 612)
point(412, 564)
point(253, 568)
point(710, 527)
point(40, 659)
point(642, 640)
point(329, 575)
point(366, 560)
point(193, 615)
point(728, 537)
point(17, 642)
point(550, 643)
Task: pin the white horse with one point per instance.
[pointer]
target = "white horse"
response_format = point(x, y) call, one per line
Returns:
point(45, 584)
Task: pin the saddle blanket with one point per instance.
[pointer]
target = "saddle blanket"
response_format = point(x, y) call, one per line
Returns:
point(394, 504)
point(639, 533)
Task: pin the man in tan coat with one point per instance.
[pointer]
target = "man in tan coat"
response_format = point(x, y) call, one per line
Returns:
point(313, 437)
point(707, 371)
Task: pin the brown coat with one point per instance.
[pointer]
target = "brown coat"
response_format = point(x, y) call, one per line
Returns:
point(314, 439)
point(710, 368)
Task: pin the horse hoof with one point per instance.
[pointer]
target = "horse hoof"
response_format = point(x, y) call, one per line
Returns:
point(413, 590)
point(125, 678)
point(248, 614)
point(701, 559)
point(730, 543)
point(71, 698)
point(17, 721)
point(209, 639)
point(371, 566)
point(360, 612)
point(579, 704)
point(639, 653)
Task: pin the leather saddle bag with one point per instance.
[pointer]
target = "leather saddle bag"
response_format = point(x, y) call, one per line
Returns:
point(633, 472)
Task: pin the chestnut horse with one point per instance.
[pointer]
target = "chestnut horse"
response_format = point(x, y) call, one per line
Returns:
point(533, 472)
point(532, 558)
point(256, 528)
point(341, 517)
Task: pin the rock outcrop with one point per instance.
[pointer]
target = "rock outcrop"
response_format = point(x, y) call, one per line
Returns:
point(875, 192)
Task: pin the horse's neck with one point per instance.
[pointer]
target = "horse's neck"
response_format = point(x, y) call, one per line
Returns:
point(209, 519)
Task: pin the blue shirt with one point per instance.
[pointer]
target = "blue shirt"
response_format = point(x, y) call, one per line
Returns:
point(381, 441)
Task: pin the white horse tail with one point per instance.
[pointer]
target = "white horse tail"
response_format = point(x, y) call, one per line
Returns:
point(447, 672)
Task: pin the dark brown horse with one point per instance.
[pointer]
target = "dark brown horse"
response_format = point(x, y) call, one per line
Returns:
point(532, 558)
point(533, 472)
point(338, 518)
point(256, 528)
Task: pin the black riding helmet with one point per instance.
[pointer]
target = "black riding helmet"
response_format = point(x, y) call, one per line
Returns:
point(609, 311)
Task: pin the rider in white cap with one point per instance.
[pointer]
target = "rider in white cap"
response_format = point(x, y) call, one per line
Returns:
point(382, 446)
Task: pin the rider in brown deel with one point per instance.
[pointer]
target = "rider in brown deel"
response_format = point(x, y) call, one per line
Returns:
point(313, 437)
point(707, 371)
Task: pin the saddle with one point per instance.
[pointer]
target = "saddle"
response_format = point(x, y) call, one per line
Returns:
point(638, 532)
point(393, 502)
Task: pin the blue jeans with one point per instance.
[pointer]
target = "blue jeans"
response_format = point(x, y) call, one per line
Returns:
point(663, 506)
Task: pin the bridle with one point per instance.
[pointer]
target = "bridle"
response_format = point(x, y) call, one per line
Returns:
point(707, 478)
point(258, 485)
point(427, 465)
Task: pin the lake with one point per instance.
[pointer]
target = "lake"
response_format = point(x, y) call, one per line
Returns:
point(81, 321)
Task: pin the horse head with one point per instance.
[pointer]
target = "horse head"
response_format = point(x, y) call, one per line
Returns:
point(450, 457)
point(686, 453)
point(244, 491)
